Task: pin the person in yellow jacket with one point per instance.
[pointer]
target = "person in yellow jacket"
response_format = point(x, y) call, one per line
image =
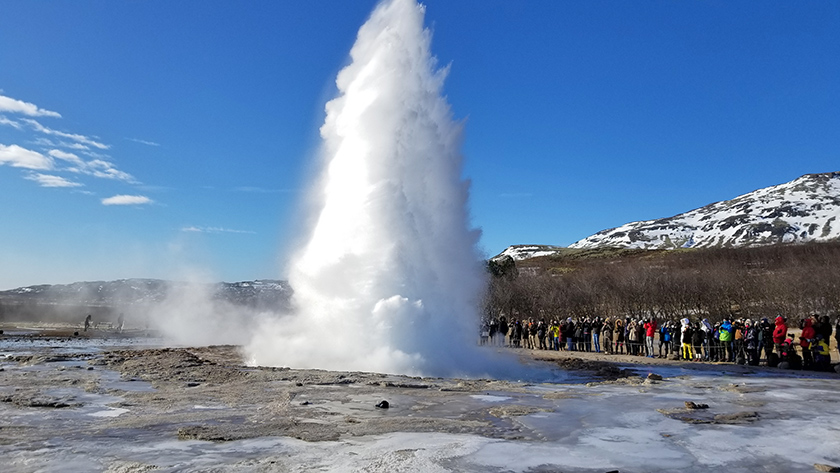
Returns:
point(554, 335)
point(686, 334)
point(822, 356)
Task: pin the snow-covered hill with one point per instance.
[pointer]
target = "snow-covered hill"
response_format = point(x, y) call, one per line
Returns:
point(521, 252)
point(805, 209)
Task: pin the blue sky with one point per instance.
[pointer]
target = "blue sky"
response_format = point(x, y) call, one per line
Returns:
point(174, 139)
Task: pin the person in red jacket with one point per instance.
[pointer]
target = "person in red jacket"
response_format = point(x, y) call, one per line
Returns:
point(650, 332)
point(808, 334)
point(779, 333)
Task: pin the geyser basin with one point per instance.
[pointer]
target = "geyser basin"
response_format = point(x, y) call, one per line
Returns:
point(390, 277)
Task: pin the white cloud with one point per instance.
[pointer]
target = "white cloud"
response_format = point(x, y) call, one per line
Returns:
point(126, 200)
point(71, 136)
point(69, 157)
point(9, 122)
point(144, 142)
point(49, 180)
point(18, 157)
point(78, 146)
point(8, 104)
point(97, 167)
point(106, 170)
point(195, 229)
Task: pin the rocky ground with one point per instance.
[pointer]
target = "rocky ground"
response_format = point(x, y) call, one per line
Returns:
point(52, 398)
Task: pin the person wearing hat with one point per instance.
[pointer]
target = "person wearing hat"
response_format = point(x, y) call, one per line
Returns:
point(805, 338)
point(779, 333)
point(765, 337)
point(751, 342)
point(822, 357)
point(726, 336)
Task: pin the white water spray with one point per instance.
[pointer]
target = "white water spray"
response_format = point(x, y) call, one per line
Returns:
point(390, 278)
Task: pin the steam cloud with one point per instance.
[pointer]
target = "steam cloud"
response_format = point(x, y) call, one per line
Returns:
point(390, 277)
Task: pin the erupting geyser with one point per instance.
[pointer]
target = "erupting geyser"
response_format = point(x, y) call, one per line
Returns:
point(390, 277)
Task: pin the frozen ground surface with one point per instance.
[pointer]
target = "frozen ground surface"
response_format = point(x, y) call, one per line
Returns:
point(96, 409)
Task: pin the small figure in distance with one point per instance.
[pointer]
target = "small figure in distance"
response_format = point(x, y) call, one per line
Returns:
point(88, 321)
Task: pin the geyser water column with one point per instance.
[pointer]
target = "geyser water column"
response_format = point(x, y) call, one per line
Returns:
point(390, 277)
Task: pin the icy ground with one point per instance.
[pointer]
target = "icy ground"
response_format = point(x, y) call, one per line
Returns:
point(119, 417)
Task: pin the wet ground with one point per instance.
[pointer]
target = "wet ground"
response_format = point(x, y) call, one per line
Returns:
point(120, 403)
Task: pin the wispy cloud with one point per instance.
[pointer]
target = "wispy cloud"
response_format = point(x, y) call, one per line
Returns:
point(48, 143)
point(19, 157)
point(59, 152)
point(65, 156)
point(97, 167)
point(9, 122)
point(8, 104)
point(106, 170)
point(127, 200)
point(195, 229)
point(70, 136)
point(49, 180)
point(143, 142)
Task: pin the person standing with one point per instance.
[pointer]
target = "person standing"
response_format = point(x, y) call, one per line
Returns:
point(618, 334)
point(825, 328)
point(836, 333)
point(726, 337)
point(493, 331)
point(579, 335)
point(542, 332)
point(596, 334)
point(751, 342)
point(779, 333)
point(631, 336)
point(685, 339)
point(706, 328)
point(805, 338)
point(570, 334)
point(606, 335)
point(697, 341)
point(664, 338)
point(503, 330)
point(650, 332)
point(88, 322)
point(587, 334)
point(765, 338)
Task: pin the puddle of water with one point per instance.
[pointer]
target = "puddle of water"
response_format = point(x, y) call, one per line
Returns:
point(110, 412)
point(490, 398)
point(112, 381)
point(25, 345)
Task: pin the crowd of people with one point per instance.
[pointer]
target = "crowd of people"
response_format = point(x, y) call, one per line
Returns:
point(733, 340)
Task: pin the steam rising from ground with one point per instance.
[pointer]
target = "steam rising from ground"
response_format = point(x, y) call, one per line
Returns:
point(190, 315)
point(390, 276)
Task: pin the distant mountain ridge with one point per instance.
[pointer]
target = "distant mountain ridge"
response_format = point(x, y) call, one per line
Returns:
point(263, 293)
point(804, 210)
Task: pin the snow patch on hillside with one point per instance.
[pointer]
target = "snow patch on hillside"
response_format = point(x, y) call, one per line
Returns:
point(803, 210)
